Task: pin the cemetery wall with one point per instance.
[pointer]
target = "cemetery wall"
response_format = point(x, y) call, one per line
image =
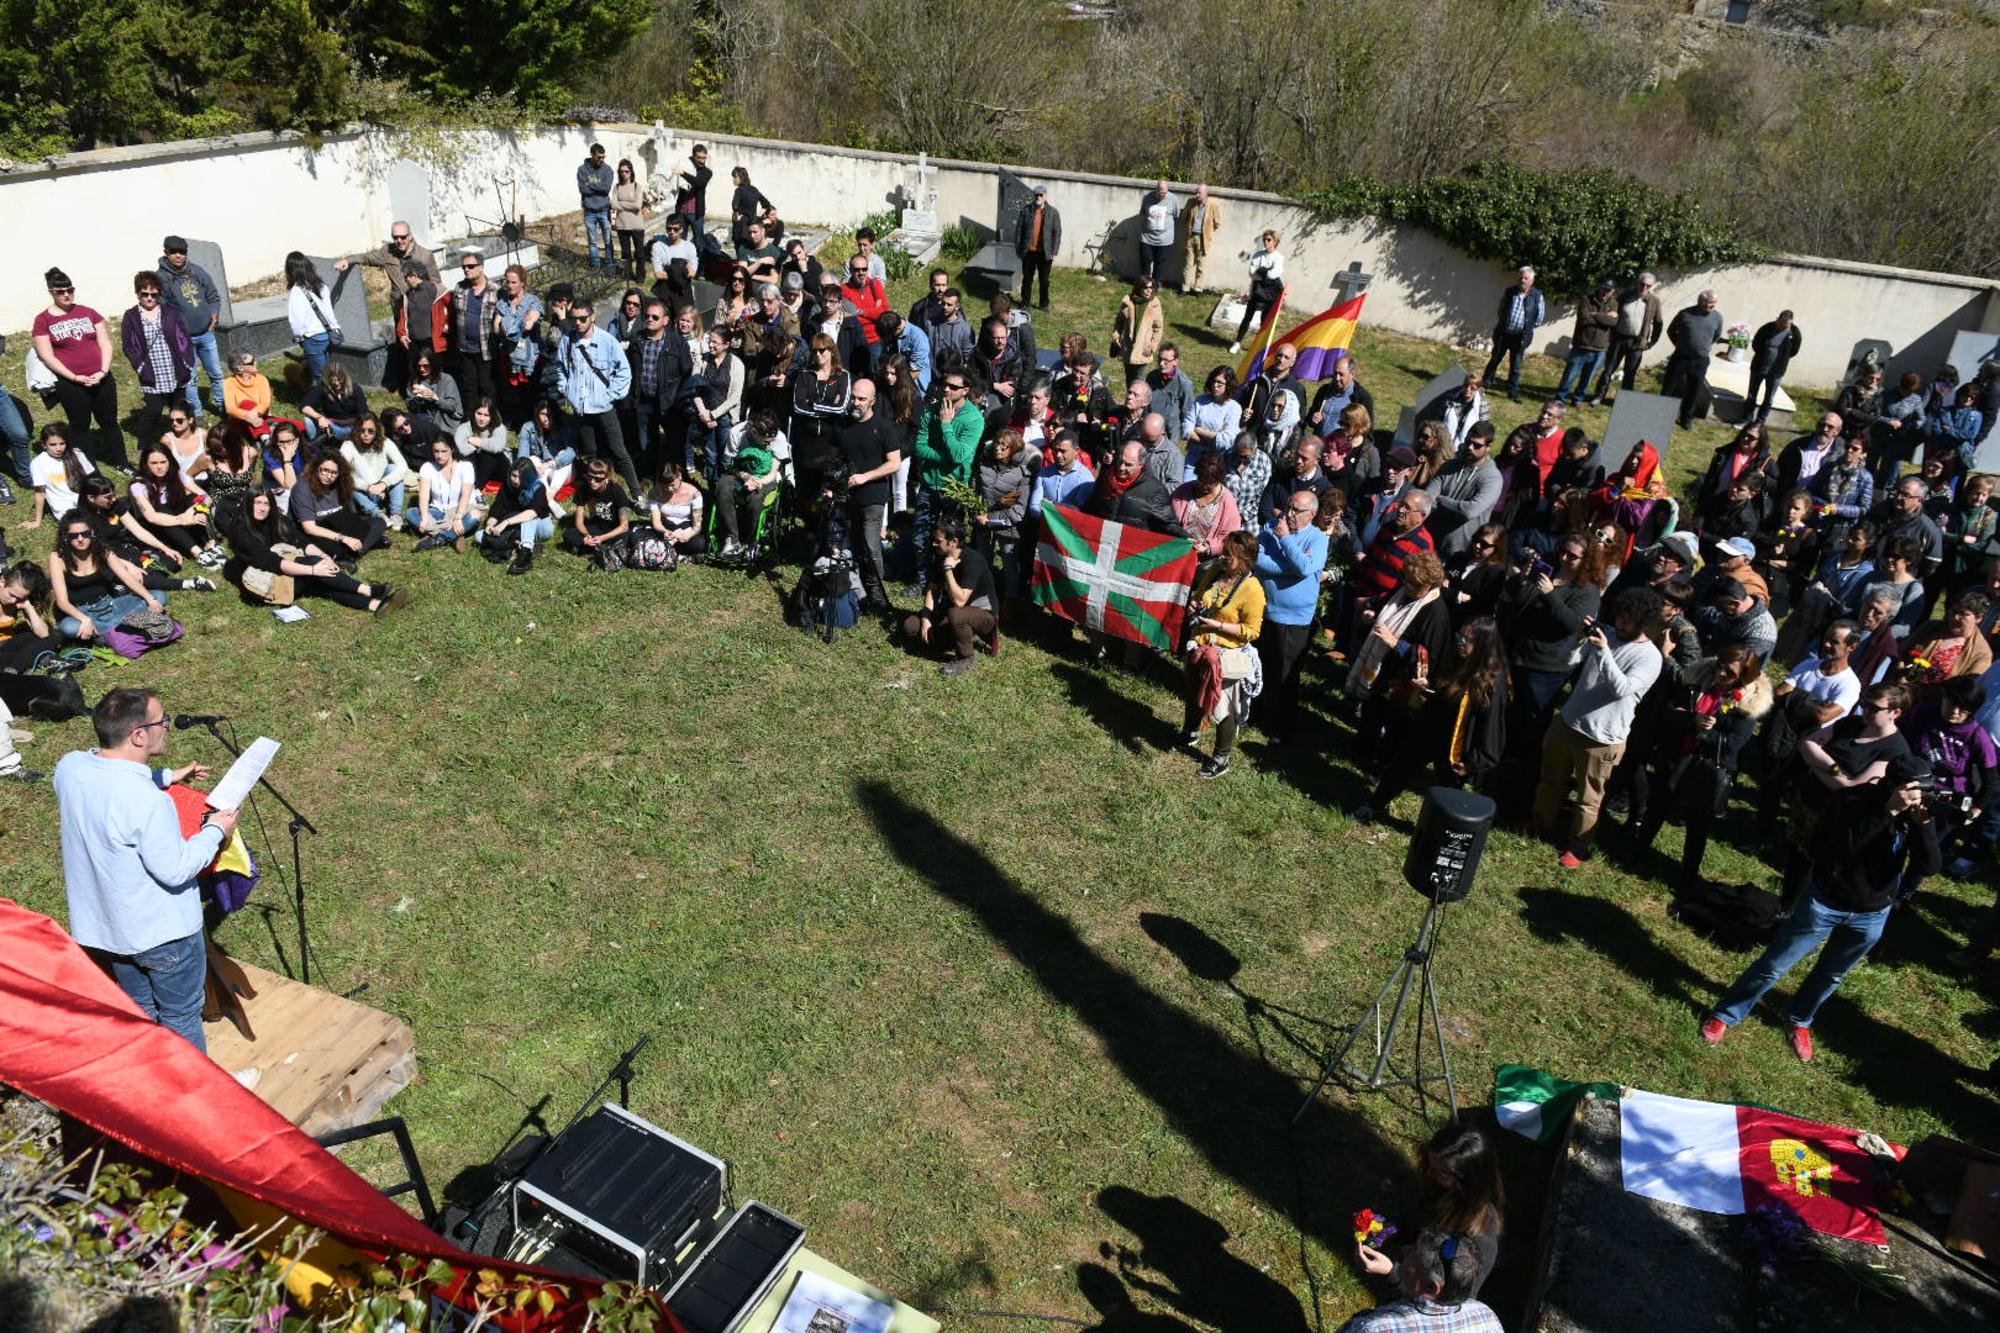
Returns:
point(101, 214)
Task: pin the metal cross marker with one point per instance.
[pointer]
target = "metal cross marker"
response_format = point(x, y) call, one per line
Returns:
point(1352, 281)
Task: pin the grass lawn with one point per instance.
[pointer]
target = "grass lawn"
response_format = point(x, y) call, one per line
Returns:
point(970, 975)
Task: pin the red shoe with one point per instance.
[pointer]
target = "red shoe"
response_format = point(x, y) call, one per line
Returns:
point(1714, 1030)
point(993, 640)
point(1570, 861)
point(1802, 1043)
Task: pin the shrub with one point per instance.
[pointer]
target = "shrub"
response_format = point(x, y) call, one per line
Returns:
point(1576, 227)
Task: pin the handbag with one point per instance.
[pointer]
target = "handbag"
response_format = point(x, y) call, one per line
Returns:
point(152, 626)
point(272, 589)
point(132, 645)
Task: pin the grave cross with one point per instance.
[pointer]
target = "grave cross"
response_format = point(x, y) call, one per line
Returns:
point(1351, 281)
point(926, 198)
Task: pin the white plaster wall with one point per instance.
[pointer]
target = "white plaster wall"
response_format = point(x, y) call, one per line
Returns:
point(100, 215)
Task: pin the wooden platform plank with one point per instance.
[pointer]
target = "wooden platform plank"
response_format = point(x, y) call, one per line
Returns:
point(324, 1062)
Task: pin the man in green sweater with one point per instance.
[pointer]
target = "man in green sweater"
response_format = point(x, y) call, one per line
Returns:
point(947, 442)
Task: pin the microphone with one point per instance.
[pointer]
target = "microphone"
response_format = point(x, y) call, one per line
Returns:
point(183, 721)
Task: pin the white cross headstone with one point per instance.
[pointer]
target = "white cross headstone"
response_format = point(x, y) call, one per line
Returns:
point(926, 197)
point(1351, 282)
point(920, 219)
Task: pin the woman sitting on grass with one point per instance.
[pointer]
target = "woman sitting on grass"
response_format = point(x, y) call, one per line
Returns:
point(598, 517)
point(124, 534)
point(246, 395)
point(168, 508)
point(57, 474)
point(332, 406)
point(324, 509)
point(93, 589)
point(232, 465)
point(523, 515)
point(187, 439)
point(264, 544)
point(380, 474)
point(676, 510)
point(482, 441)
point(433, 394)
point(541, 443)
point(284, 459)
point(25, 631)
point(443, 513)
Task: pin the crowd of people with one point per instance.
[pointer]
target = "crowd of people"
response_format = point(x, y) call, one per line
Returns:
point(1521, 614)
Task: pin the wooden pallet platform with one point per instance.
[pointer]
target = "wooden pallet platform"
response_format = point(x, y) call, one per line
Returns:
point(325, 1063)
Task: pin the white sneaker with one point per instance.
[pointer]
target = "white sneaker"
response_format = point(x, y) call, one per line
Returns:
point(1236, 349)
point(20, 737)
point(249, 1078)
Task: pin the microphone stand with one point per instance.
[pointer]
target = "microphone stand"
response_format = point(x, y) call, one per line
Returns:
point(299, 825)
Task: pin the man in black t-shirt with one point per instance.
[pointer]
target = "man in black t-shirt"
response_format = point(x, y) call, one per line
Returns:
point(959, 601)
point(873, 451)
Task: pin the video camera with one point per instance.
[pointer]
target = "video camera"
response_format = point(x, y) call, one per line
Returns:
point(1942, 800)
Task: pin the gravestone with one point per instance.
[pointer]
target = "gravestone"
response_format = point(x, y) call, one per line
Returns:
point(1864, 351)
point(207, 255)
point(920, 219)
point(1015, 194)
point(1351, 282)
point(1445, 383)
point(410, 198)
point(1429, 402)
point(348, 295)
point(1639, 416)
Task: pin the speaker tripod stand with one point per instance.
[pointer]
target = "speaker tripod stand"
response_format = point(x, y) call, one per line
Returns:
point(1413, 972)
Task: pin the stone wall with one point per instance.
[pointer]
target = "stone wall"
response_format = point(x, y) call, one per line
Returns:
point(100, 215)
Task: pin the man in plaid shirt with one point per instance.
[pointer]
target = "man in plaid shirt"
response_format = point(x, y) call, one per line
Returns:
point(1436, 1272)
point(1248, 474)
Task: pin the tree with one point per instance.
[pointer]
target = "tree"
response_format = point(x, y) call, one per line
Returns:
point(534, 53)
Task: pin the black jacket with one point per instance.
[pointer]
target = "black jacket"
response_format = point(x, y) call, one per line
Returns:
point(1772, 348)
point(1024, 224)
point(676, 364)
point(1860, 851)
point(1144, 504)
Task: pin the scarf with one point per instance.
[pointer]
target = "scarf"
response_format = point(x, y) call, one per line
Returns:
point(1394, 617)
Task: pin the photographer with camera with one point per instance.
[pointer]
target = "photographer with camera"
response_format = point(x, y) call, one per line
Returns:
point(1876, 834)
point(1963, 760)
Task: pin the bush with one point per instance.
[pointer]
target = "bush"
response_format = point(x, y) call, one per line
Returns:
point(961, 241)
point(1576, 227)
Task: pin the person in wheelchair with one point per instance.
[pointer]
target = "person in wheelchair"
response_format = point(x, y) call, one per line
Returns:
point(750, 483)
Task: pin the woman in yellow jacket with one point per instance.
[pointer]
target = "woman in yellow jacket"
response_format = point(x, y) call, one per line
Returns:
point(1225, 616)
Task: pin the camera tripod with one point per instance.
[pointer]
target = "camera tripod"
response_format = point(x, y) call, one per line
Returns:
point(1416, 962)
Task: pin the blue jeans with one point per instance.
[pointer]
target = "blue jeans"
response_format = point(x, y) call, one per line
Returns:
point(375, 508)
point(1848, 937)
point(415, 518)
point(1582, 364)
point(107, 612)
point(316, 346)
point(531, 533)
point(15, 432)
point(210, 356)
point(314, 430)
point(166, 981)
point(596, 225)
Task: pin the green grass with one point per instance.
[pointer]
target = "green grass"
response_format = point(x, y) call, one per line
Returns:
point(912, 949)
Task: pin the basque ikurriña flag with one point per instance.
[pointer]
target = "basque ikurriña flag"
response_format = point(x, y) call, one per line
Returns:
point(1734, 1159)
point(1122, 580)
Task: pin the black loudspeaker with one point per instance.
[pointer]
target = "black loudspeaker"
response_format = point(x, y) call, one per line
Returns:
point(1451, 836)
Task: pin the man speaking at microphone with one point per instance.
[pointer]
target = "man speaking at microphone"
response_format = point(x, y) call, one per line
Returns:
point(133, 901)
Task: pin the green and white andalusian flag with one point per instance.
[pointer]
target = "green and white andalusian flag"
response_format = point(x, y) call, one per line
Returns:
point(1113, 577)
point(1537, 1105)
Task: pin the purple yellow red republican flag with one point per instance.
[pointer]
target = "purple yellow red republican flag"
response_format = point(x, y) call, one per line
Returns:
point(1321, 341)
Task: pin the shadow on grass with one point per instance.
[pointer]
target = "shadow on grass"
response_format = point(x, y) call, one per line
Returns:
point(1183, 1261)
point(1227, 1103)
point(1208, 959)
point(1129, 721)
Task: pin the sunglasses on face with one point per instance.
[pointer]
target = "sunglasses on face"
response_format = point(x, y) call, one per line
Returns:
point(61, 291)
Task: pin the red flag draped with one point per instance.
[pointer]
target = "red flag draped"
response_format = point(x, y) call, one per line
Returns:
point(70, 1037)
